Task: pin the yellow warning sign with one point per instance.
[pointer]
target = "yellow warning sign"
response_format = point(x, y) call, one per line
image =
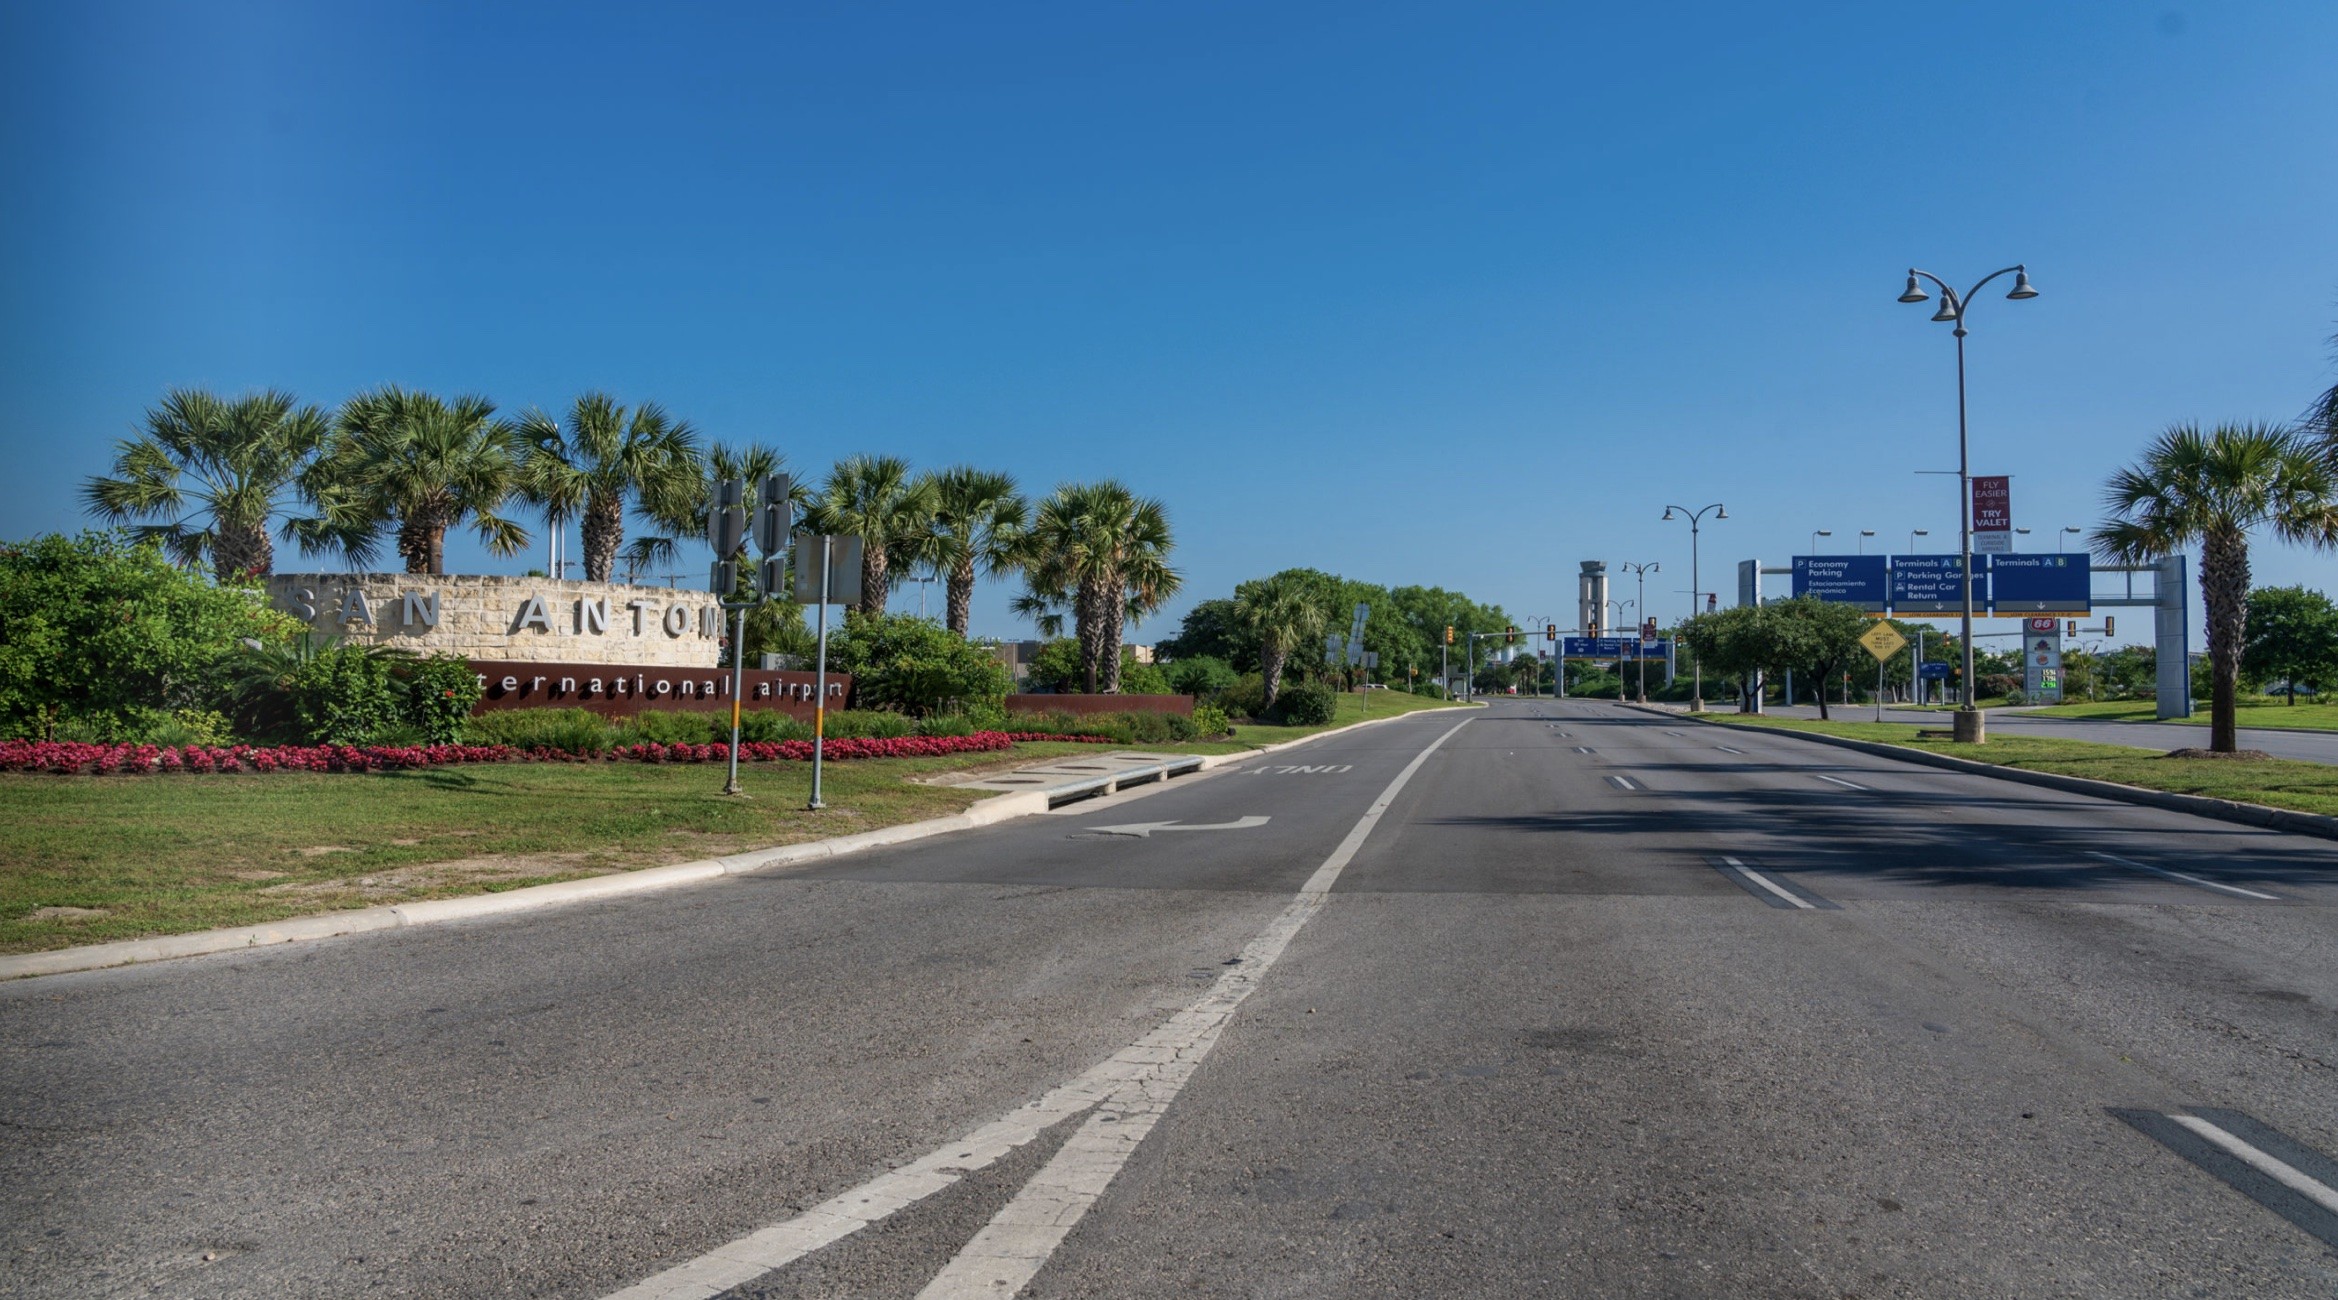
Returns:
point(1883, 641)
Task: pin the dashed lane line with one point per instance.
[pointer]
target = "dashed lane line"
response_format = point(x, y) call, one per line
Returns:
point(1625, 783)
point(1729, 749)
point(1775, 894)
point(2234, 890)
point(2257, 1160)
point(1583, 749)
point(1128, 1092)
point(1848, 785)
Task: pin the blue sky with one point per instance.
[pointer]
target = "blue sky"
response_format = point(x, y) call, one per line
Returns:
point(1440, 294)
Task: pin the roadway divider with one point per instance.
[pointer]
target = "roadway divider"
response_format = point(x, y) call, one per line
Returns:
point(2224, 810)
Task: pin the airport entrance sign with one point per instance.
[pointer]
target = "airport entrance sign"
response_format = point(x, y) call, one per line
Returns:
point(1861, 580)
point(1934, 584)
point(2041, 584)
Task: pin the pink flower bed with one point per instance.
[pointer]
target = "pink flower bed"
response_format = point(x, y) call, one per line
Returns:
point(66, 758)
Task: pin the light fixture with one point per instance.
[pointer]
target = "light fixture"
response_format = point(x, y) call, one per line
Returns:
point(1914, 292)
point(1946, 312)
point(1722, 513)
point(2021, 285)
point(1668, 514)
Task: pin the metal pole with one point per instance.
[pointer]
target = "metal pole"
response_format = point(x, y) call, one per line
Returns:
point(738, 688)
point(1964, 486)
point(820, 675)
point(1696, 607)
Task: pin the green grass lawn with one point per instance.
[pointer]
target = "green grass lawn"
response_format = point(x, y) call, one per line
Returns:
point(2265, 713)
point(91, 859)
point(2279, 783)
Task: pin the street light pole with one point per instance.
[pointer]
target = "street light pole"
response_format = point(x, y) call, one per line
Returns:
point(1970, 725)
point(1640, 573)
point(1697, 590)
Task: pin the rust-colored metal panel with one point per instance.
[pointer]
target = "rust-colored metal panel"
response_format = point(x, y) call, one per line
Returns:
point(1087, 704)
point(621, 690)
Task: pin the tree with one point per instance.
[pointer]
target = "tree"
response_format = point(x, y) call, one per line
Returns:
point(978, 523)
point(2212, 489)
point(2292, 635)
point(605, 456)
point(1806, 636)
point(876, 499)
point(1210, 630)
point(242, 458)
point(1282, 616)
point(682, 516)
point(1101, 554)
point(415, 465)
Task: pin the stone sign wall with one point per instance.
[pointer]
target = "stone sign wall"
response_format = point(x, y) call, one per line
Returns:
point(514, 619)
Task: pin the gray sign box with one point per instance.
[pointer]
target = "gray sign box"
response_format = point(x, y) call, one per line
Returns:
point(844, 569)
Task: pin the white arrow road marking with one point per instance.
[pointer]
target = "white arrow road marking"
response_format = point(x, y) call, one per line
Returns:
point(1136, 1083)
point(1144, 830)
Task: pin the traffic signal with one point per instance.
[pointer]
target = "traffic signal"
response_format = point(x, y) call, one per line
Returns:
point(2073, 628)
point(1510, 635)
point(1550, 632)
point(2110, 625)
point(1449, 634)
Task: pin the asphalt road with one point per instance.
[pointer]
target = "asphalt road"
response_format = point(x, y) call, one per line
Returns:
point(2310, 746)
point(1550, 998)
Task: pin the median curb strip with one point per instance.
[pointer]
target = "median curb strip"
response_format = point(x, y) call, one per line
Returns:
point(988, 812)
point(2198, 805)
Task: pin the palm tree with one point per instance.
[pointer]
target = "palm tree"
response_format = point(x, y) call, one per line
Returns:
point(1282, 613)
point(416, 465)
point(1101, 553)
point(876, 499)
point(241, 456)
point(605, 455)
point(978, 522)
point(2213, 489)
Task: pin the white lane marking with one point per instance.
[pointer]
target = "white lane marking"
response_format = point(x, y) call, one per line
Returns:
point(1582, 749)
point(1729, 749)
point(1172, 1049)
point(1672, 733)
point(1624, 783)
point(1144, 830)
point(1838, 781)
point(1012, 1247)
point(2273, 1167)
point(1771, 885)
point(2189, 880)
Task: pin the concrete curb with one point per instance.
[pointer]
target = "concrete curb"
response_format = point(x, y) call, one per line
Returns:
point(988, 812)
point(2223, 810)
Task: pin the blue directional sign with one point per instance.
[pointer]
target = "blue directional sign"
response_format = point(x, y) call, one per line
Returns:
point(2041, 584)
point(1860, 580)
point(1933, 670)
point(1935, 584)
point(1613, 647)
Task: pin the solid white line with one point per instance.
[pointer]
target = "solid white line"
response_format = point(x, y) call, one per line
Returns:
point(1123, 1085)
point(1838, 781)
point(1771, 885)
point(2280, 1171)
point(1013, 1246)
point(2189, 880)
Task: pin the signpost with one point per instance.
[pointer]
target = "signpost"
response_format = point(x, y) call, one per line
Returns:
point(828, 568)
point(2041, 661)
point(726, 532)
point(1883, 641)
point(1993, 515)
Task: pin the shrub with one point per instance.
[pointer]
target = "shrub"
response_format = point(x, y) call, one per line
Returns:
point(1143, 679)
point(440, 693)
point(672, 727)
point(1201, 676)
point(110, 637)
point(1246, 698)
point(568, 731)
point(347, 695)
point(868, 724)
point(946, 724)
point(1209, 722)
point(765, 725)
point(914, 665)
point(1055, 668)
point(1311, 705)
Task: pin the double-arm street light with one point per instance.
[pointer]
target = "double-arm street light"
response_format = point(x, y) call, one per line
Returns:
point(1969, 724)
point(1696, 589)
point(1640, 572)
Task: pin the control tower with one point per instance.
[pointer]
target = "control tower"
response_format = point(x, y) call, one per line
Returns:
point(1591, 598)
